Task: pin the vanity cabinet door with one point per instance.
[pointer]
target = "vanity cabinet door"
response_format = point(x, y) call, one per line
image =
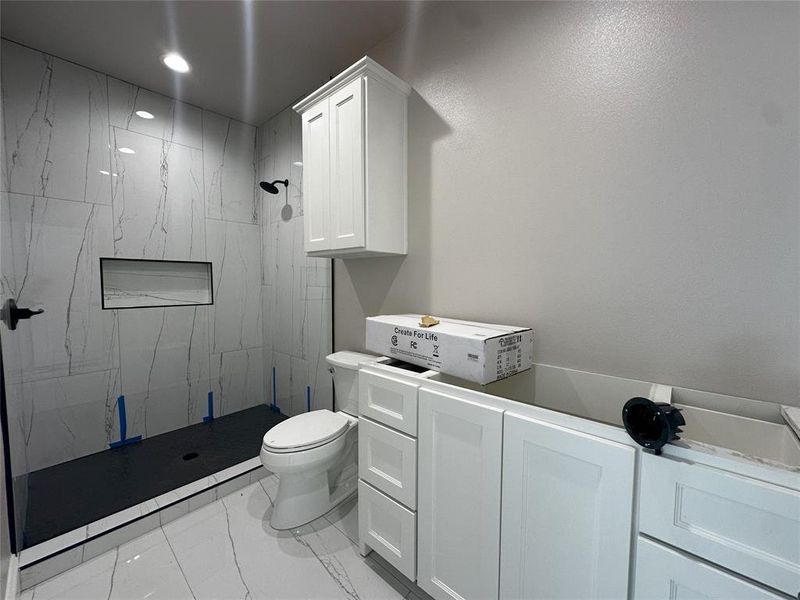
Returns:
point(746, 525)
point(567, 513)
point(316, 183)
point(347, 166)
point(665, 574)
point(460, 446)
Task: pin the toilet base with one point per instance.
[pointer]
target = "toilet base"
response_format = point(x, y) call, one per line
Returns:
point(302, 499)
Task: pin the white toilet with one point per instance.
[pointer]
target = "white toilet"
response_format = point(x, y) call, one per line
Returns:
point(315, 454)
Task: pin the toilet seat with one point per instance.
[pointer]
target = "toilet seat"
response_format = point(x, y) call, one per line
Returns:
point(305, 431)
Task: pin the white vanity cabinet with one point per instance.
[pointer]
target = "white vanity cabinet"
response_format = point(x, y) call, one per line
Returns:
point(354, 164)
point(478, 497)
point(666, 574)
point(460, 452)
point(748, 524)
point(387, 468)
point(567, 512)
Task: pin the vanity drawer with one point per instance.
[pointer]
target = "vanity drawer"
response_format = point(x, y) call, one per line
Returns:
point(387, 400)
point(664, 574)
point(743, 524)
point(387, 459)
point(389, 528)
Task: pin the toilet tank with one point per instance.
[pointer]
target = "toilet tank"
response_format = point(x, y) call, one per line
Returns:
point(344, 366)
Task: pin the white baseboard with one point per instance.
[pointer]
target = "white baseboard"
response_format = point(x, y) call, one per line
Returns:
point(12, 581)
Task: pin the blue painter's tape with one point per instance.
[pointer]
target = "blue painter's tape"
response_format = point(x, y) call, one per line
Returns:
point(274, 406)
point(124, 440)
point(210, 417)
point(123, 421)
point(308, 398)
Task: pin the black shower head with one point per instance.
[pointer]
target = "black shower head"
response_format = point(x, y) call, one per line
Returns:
point(271, 187)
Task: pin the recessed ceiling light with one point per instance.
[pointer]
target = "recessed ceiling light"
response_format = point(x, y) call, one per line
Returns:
point(126, 150)
point(144, 114)
point(297, 164)
point(175, 62)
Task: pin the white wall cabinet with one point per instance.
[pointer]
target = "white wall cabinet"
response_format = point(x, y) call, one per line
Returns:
point(316, 178)
point(458, 507)
point(354, 164)
point(567, 513)
point(665, 574)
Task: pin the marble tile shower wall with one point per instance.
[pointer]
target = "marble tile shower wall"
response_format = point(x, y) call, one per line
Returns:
point(71, 194)
point(296, 289)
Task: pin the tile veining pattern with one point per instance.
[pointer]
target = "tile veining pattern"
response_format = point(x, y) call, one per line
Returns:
point(227, 549)
point(84, 176)
point(296, 289)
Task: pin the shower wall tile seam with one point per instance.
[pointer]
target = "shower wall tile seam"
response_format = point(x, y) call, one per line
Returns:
point(49, 197)
point(155, 137)
point(51, 377)
point(220, 220)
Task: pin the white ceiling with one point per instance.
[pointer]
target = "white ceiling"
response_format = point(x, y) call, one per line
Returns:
point(249, 59)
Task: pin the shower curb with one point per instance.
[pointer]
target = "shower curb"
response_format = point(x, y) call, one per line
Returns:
point(50, 558)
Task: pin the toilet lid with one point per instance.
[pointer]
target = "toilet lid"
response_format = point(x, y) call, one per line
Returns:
point(305, 431)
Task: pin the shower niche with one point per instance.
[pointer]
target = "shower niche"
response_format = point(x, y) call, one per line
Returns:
point(142, 283)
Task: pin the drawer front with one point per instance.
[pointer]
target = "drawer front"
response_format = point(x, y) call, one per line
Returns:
point(745, 525)
point(389, 528)
point(389, 401)
point(664, 574)
point(387, 459)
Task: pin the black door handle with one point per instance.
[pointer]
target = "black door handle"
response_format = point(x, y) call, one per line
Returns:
point(10, 314)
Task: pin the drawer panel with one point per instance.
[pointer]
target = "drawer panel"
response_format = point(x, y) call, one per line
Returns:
point(389, 528)
point(745, 525)
point(388, 400)
point(387, 459)
point(664, 574)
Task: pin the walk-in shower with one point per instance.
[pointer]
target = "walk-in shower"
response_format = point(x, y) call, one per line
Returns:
point(203, 325)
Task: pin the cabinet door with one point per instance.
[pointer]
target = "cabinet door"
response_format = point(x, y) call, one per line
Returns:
point(567, 513)
point(748, 526)
point(316, 177)
point(460, 448)
point(347, 166)
point(664, 574)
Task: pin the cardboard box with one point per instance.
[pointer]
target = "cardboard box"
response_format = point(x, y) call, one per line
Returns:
point(478, 352)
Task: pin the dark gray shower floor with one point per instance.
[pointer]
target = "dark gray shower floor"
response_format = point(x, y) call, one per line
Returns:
point(66, 496)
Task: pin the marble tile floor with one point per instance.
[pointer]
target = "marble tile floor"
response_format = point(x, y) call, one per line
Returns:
point(227, 550)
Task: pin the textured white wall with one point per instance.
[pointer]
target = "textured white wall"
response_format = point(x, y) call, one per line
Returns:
point(621, 177)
